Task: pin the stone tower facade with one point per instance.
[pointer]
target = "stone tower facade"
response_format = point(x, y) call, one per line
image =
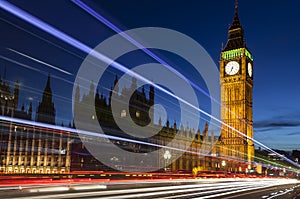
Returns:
point(236, 79)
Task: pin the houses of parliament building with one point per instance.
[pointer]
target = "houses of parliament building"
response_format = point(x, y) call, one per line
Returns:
point(35, 148)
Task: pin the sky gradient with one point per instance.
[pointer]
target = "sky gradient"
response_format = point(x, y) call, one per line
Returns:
point(271, 33)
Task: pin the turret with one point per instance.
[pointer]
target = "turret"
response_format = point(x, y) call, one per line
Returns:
point(16, 95)
point(116, 86)
point(151, 95)
point(46, 111)
point(30, 111)
point(133, 84)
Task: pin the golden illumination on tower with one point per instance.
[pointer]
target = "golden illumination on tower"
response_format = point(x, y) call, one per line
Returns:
point(236, 79)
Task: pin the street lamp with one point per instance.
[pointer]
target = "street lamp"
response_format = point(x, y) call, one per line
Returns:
point(223, 163)
point(167, 157)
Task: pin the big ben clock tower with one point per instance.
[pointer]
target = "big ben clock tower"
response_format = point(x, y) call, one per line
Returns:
point(236, 79)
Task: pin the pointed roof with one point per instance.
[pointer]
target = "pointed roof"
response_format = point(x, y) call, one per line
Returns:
point(235, 33)
point(116, 80)
point(45, 111)
point(236, 21)
point(47, 94)
point(48, 87)
point(206, 126)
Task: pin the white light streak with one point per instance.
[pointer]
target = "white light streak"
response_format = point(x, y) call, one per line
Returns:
point(18, 63)
point(39, 61)
point(88, 187)
point(79, 45)
point(204, 190)
point(49, 189)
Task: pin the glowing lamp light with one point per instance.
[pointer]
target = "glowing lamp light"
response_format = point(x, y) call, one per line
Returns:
point(167, 155)
point(81, 46)
point(240, 168)
point(223, 163)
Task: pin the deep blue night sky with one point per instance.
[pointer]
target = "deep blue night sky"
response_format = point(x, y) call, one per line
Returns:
point(271, 32)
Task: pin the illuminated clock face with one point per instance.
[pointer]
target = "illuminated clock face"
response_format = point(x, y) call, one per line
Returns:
point(232, 68)
point(250, 69)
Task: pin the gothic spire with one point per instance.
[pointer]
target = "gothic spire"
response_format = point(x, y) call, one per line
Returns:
point(16, 95)
point(30, 111)
point(235, 33)
point(116, 80)
point(48, 87)
point(116, 86)
point(45, 110)
point(236, 21)
point(206, 126)
point(47, 95)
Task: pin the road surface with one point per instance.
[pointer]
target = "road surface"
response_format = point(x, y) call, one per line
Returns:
point(162, 189)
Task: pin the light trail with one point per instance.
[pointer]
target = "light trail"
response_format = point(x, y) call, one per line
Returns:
point(142, 193)
point(79, 45)
point(39, 61)
point(198, 188)
point(87, 133)
point(72, 53)
point(19, 63)
point(102, 19)
point(41, 38)
point(151, 54)
point(78, 56)
point(82, 132)
point(147, 51)
point(137, 44)
point(33, 90)
point(63, 49)
point(51, 43)
point(161, 188)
